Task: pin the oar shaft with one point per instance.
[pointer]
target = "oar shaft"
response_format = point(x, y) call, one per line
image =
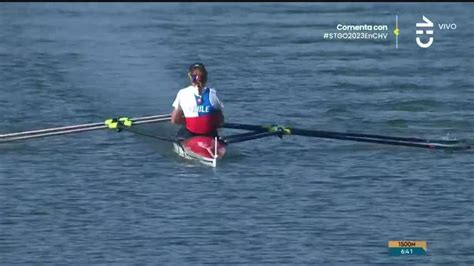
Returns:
point(50, 130)
point(245, 127)
point(321, 133)
point(422, 144)
point(66, 128)
point(400, 141)
point(151, 121)
point(47, 134)
point(248, 136)
point(76, 129)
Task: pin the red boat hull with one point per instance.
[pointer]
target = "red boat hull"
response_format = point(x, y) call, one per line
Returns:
point(201, 148)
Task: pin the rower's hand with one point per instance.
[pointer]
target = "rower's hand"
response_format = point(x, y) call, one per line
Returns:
point(177, 116)
point(220, 118)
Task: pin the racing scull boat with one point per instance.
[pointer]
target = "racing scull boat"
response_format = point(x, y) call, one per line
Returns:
point(208, 150)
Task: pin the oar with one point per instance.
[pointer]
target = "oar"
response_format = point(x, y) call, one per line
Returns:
point(250, 136)
point(90, 125)
point(75, 129)
point(401, 141)
point(310, 133)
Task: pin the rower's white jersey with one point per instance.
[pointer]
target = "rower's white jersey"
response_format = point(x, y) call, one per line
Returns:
point(199, 110)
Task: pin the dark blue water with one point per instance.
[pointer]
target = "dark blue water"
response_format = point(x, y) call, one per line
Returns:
point(107, 197)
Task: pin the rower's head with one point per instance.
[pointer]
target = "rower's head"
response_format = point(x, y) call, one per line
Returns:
point(197, 74)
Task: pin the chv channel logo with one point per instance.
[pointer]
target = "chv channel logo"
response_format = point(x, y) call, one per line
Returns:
point(425, 31)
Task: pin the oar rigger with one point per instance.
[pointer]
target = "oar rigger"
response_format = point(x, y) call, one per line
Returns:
point(117, 123)
point(280, 130)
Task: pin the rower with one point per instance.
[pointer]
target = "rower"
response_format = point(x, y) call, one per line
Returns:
point(197, 106)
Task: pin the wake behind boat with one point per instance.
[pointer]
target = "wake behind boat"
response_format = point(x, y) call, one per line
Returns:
point(208, 150)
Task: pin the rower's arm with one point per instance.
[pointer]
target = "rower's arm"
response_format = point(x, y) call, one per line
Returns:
point(177, 116)
point(220, 118)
